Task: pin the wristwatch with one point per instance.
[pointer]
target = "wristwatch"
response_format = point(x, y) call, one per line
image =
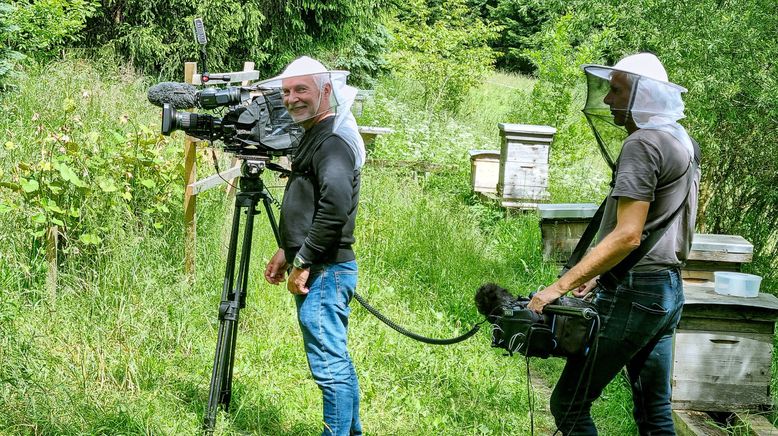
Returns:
point(300, 263)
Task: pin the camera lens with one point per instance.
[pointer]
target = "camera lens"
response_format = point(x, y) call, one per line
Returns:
point(168, 119)
point(186, 120)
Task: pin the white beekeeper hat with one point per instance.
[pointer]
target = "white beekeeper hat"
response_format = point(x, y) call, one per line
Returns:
point(655, 102)
point(642, 64)
point(341, 99)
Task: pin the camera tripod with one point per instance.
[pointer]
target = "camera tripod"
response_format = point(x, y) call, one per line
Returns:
point(251, 192)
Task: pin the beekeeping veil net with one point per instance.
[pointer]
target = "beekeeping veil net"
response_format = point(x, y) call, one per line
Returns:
point(340, 100)
point(634, 91)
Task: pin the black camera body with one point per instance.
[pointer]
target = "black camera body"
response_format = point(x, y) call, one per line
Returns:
point(256, 121)
point(567, 328)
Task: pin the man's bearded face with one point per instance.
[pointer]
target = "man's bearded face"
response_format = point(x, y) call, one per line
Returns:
point(302, 97)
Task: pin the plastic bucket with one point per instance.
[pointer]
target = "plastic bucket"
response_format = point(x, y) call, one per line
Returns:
point(736, 284)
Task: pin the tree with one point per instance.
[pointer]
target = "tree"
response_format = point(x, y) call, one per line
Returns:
point(157, 35)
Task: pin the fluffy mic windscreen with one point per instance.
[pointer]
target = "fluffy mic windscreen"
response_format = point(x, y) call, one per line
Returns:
point(490, 297)
point(178, 95)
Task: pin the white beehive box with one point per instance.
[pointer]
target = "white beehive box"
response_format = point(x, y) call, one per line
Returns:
point(484, 170)
point(524, 155)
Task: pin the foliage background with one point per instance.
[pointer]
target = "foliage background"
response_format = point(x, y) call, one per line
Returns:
point(124, 346)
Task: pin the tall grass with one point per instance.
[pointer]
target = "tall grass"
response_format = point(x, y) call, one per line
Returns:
point(126, 345)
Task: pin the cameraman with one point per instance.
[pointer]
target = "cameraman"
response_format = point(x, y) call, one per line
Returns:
point(652, 175)
point(318, 213)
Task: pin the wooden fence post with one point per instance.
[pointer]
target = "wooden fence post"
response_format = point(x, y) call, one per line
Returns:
point(190, 199)
point(52, 236)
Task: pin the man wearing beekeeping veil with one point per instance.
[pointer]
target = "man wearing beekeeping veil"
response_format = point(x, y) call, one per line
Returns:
point(316, 226)
point(654, 185)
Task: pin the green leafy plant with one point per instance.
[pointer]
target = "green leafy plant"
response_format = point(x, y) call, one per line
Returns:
point(8, 57)
point(84, 187)
point(72, 158)
point(45, 26)
point(442, 50)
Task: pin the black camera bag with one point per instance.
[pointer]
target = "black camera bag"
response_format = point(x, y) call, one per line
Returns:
point(521, 330)
point(573, 334)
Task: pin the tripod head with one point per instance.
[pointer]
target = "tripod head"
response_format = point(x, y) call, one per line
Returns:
point(251, 170)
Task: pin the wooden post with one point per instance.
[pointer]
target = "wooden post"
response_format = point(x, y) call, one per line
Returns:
point(190, 199)
point(247, 66)
point(52, 236)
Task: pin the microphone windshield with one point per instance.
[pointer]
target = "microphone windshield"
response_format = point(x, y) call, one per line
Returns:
point(178, 95)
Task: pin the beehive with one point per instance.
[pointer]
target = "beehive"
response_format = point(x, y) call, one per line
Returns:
point(524, 155)
point(711, 253)
point(484, 170)
point(561, 226)
point(722, 351)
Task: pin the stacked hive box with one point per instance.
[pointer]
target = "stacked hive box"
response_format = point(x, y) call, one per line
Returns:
point(723, 351)
point(561, 226)
point(711, 253)
point(523, 180)
point(723, 346)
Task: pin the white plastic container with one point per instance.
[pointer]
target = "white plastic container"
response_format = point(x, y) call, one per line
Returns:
point(736, 284)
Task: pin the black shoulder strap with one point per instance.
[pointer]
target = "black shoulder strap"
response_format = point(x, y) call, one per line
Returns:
point(586, 239)
point(618, 272)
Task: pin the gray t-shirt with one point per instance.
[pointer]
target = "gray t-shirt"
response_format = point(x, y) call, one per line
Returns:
point(652, 167)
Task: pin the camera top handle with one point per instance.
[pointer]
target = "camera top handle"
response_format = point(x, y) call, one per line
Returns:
point(582, 312)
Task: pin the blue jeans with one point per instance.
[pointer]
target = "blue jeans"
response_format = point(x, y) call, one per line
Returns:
point(323, 318)
point(638, 320)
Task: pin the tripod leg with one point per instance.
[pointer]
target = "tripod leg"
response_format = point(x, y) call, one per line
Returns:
point(234, 293)
point(221, 377)
point(238, 302)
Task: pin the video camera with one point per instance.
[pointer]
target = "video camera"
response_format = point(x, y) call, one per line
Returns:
point(256, 123)
point(567, 328)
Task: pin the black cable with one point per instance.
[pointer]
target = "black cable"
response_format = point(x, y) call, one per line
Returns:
point(216, 166)
point(358, 297)
point(415, 336)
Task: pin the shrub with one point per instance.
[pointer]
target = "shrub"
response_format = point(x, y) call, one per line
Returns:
point(520, 19)
point(45, 26)
point(8, 57)
point(157, 35)
point(442, 50)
